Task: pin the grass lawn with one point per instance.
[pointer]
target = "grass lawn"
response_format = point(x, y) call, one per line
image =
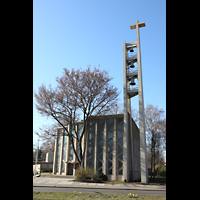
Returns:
point(156, 181)
point(77, 195)
point(46, 173)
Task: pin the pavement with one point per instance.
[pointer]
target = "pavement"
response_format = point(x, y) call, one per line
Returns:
point(69, 182)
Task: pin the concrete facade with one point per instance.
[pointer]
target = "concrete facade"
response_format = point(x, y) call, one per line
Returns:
point(107, 149)
point(49, 156)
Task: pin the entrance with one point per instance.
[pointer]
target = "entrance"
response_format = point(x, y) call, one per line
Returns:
point(70, 168)
point(76, 166)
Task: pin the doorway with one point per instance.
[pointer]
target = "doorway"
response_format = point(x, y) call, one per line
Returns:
point(70, 168)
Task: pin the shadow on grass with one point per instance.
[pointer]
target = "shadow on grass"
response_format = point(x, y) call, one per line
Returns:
point(161, 180)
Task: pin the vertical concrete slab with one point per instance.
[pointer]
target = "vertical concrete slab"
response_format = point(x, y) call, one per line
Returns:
point(95, 147)
point(67, 153)
point(104, 167)
point(61, 152)
point(55, 152)
point(143, 150)
point(115, 150)
point(125, 141)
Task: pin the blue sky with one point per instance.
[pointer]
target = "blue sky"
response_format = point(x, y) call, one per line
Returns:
point(75, 34)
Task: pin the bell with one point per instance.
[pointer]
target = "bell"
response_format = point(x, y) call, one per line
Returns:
point(132, 65)
point(131, 50)
point(132, 81)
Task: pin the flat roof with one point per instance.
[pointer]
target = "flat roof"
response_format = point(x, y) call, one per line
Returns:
point(99, 116)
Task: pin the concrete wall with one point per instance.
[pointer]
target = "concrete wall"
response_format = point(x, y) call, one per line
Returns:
point(136, 152)
point(44, 166)
point(49, 156)
point(133, 157)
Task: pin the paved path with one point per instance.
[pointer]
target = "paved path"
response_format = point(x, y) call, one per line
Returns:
point(68, 182)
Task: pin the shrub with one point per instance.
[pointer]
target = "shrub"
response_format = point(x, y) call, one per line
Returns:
point(163, 173)
point(96, 178)
point(161, 170)
point(88, 174)
point(103, 177)
point(81, 174)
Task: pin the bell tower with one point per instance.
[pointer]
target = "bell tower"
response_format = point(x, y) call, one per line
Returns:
point(132, 75)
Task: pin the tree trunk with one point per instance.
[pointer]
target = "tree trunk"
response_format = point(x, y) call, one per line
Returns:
point(151, 155)
point(154, 162)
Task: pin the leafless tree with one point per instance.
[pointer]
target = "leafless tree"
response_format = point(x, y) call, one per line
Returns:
point(47, 132)
point(78, 95)
point(156, 129)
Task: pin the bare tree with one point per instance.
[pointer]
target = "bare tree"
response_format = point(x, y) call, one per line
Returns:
point(47, 132)
point(78, 95)
point(156, 129)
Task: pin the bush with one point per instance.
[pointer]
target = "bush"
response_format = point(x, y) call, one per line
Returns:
point(161, 170)
point(88, 174)
point(103, 177)
point(96, 178)
point(81, 174)
point(163, 173)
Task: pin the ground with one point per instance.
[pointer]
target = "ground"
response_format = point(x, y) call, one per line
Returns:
point(78, 196)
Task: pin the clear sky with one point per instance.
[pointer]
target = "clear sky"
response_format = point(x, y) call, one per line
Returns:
point(76, 33)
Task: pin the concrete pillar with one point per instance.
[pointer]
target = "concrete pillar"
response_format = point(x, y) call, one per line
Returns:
point(115, 150)
point(143, 149)
point(55, 152)
point(125, 141)
point(104, 164)
point(86, 143)
point(132, 150)
point(67, 153)
point(95, 147)
point(83, 146)
point(61, 150)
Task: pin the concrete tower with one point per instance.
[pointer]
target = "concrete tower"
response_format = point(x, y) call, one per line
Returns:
point(130, 90)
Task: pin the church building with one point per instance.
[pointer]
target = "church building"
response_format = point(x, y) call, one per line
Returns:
point(109, 149)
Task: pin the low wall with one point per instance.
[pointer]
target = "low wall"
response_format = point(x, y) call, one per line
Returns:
point(44, 166)
point(36, 168)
